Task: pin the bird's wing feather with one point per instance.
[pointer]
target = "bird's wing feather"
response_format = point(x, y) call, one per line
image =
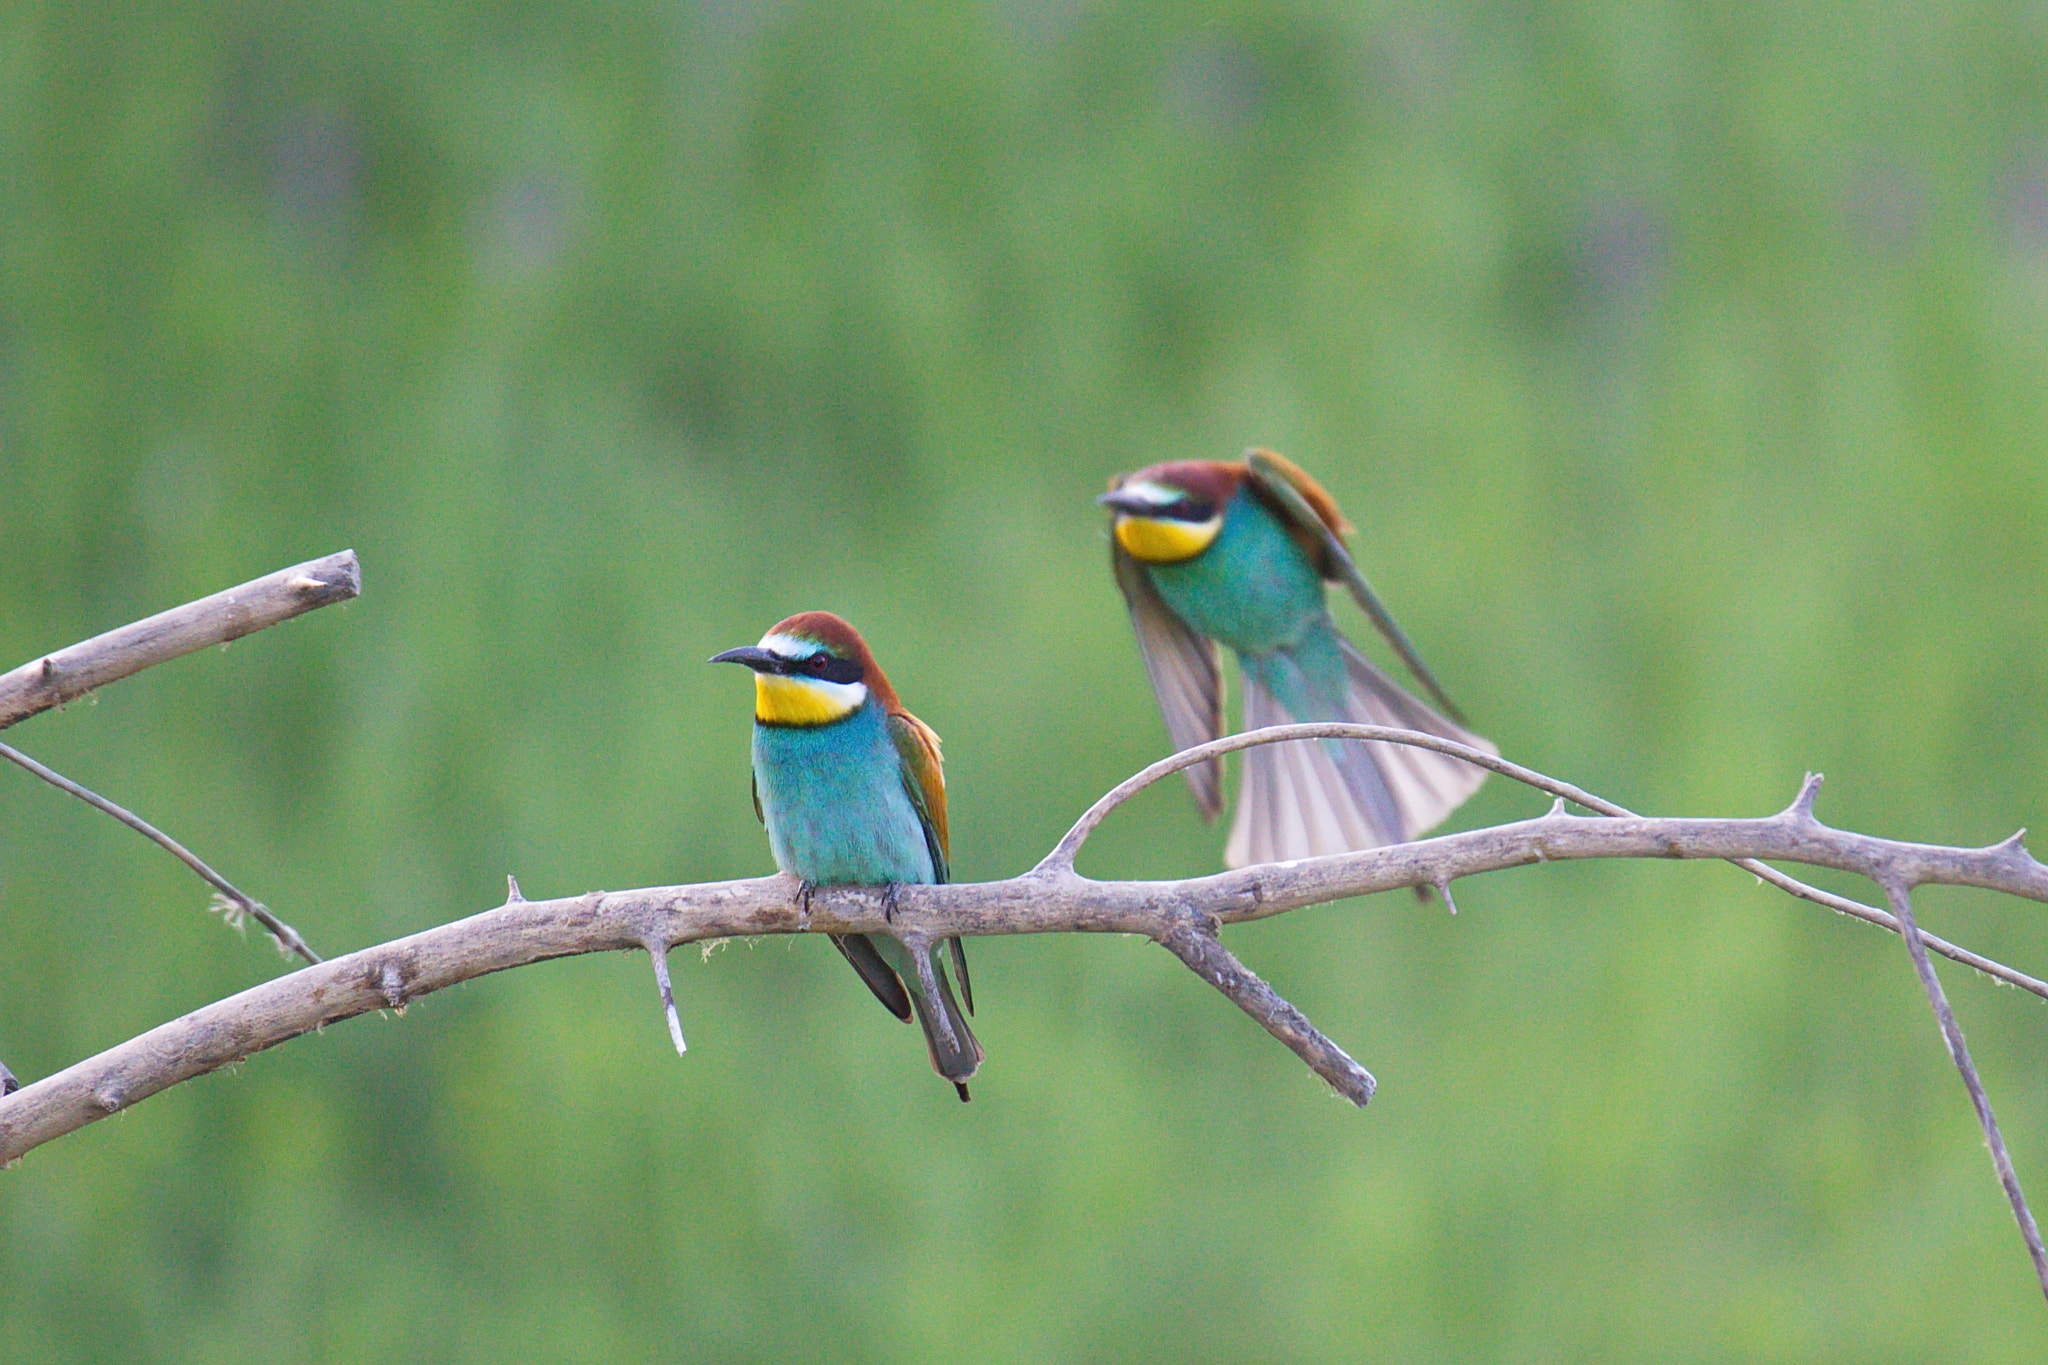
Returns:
point(925, 780)
point(1304, 799)
point(881, 978)
point(1185, 671)
point(1311, 513)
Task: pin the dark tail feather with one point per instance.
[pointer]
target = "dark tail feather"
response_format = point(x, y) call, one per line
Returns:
point(955, 1061)
point(960, 966)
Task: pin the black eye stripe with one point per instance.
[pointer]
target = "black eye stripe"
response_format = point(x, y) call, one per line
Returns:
point(1187, 509)
point(824, 667)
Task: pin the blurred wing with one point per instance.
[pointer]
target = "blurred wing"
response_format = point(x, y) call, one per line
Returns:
point(1308, 798)
point(925, 781)
point(1312, 513)
point(1185, 671)
point(1426, 785)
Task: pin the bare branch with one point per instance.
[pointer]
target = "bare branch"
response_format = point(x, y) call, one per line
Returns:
point(1196, 944)
point(286, 937)
point(1800, 811)
point(1959, 1052)
point(1048, 899)
point(658, 951)
point(70, 673)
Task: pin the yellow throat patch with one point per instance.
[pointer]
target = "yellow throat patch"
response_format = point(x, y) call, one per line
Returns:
point(1162, 540)
point(780, 700)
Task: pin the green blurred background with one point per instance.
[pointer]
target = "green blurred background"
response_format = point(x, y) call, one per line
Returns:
point(1682, 366)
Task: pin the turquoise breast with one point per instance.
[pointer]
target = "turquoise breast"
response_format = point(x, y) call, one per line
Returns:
point(1252, 589)
point(833, 799)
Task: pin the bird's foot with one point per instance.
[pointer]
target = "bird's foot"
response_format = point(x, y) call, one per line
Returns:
point(889, 894)
point(804, 891)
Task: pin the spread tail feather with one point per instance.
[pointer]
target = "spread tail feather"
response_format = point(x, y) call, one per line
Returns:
point(1309, 798)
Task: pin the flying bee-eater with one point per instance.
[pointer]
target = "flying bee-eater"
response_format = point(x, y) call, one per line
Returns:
point(1208, 553)
point(849, 785)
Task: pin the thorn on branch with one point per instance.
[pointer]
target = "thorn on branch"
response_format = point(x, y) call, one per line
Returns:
point(1443, 888)
point(513, 895)
point(8, 1085)
point(1801, 808)
point(658, 951)
point(1557, 811)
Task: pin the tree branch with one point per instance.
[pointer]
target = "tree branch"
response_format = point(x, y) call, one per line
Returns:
point(1049, 899)
point(1062, 855)
point(1959, 1053)
point(71, 673)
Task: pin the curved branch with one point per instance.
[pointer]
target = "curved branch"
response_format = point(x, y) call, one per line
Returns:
point(1063, 854)
point(1048, 899)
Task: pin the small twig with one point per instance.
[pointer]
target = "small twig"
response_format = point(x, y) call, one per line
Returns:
point(1959, 1052)
point(1204, 954)
point(286, 937)
point(74, 671)
point(658, 951)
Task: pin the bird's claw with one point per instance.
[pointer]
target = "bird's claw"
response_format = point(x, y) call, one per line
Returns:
point(889, 891)
point(804, 890)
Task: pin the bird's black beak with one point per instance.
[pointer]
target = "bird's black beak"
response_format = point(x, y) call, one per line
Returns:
point(753, 656)
point(1131, 504)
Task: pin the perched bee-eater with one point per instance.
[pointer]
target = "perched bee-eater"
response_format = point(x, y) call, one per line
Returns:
point(849, 785)
point(1209, 552)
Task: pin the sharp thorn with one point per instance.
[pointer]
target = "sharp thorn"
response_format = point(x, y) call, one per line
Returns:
point(513, 895)
point(1802, 804)
point(657, 951)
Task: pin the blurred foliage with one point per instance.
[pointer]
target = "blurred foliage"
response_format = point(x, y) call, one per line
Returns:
point(1682, 366)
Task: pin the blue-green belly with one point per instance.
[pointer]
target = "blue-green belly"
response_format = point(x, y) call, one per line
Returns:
point(833, 799)
point(1252, 589)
